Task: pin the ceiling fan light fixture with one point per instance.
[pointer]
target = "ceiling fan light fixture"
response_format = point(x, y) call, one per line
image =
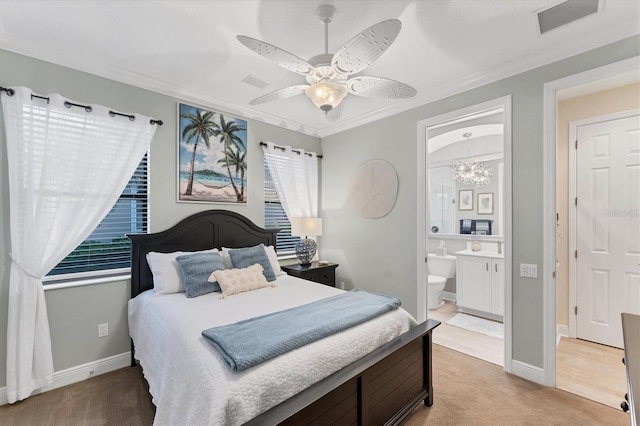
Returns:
point(326, 95)
point(328, 75)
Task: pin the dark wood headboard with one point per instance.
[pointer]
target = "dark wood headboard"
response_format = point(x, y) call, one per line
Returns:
point(201, 231)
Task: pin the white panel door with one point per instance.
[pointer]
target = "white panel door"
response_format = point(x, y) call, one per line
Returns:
point(607, 228)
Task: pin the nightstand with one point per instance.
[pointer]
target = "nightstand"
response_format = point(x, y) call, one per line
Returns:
point(323, 274)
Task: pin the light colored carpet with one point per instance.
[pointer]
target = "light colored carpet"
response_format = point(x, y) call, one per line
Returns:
point(478, 325)
point(467, 391)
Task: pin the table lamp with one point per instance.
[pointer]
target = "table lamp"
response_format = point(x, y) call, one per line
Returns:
point(306, 227)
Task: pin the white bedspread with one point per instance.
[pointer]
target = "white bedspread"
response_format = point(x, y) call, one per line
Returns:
point(191, 385)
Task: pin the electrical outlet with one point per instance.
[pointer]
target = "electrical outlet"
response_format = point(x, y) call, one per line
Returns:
point(342, 285)
point(528, 270)
point(103, 329)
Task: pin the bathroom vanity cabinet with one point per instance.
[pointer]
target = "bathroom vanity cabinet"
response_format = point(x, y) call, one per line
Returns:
point(480, 284)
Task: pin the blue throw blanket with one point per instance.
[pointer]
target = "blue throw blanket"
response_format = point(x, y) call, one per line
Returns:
point(255, 340)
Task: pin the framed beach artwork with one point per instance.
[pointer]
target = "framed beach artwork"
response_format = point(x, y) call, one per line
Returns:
point(212, 160)
point(465, 199)
point(485, 203)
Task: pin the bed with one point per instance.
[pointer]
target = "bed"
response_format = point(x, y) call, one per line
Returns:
point(374, 373)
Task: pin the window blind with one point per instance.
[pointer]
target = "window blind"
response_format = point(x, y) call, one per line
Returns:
point(276, 218)
point(108, 250)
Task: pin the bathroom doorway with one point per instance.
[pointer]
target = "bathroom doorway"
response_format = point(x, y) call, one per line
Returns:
point(464, 200)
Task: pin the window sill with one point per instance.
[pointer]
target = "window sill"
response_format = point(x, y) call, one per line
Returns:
point(53, 284)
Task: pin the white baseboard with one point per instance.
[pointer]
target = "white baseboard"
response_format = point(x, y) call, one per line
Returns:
point(447, 295)
point(561, 331)
point(79, 373)
point(527, 371)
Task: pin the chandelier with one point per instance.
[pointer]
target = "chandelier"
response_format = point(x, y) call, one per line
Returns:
point(470, 172)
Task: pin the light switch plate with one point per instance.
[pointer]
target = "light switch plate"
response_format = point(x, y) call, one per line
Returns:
point(528, 270)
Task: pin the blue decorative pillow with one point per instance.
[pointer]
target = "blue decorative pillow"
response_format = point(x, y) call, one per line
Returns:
point(196, 269)
point(245, 257)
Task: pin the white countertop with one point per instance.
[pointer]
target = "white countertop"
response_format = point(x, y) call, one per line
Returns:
point(491, 254)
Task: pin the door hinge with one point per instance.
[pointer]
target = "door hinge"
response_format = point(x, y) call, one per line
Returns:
point(576, 201)
point(576, 143)
point(576, 254)
point(575, 310)
point(554, 274)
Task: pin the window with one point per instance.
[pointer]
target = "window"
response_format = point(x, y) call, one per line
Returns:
point(107, 250)
point(276, 218)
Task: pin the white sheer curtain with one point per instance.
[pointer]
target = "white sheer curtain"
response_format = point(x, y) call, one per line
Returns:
point(295, 176)
point(67, 168)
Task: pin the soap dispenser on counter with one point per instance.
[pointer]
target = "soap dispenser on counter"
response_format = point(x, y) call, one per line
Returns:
point(441, 250)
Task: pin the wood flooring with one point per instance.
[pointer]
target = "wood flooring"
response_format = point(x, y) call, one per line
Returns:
point(583, 368)
point(591, 370)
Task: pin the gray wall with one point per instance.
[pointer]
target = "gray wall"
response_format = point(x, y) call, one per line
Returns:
point(380, 254)
point(74, 313)
point(374, 254)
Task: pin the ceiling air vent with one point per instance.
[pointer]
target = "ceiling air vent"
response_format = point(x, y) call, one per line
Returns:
point(255, 82)
point(564, 13)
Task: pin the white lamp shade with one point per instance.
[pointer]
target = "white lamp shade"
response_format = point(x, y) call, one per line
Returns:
point(326, 95)
point(306, 226)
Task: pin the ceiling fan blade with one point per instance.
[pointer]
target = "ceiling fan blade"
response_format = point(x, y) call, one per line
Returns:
point(287, 92)
point(334, 114)
point(281, 57)
point(379, 87)
point(359, 52)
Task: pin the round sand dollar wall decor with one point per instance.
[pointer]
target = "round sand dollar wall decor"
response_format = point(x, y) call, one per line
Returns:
point(373, 190)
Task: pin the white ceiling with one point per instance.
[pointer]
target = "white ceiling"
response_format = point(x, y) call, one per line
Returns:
point(188, 49)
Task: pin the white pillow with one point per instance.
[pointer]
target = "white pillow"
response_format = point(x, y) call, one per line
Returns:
point(271, 254)
point(226, 259)
point(233, 281)
point(273, 259)
point(167, 277)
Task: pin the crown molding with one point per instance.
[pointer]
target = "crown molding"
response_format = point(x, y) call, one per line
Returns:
point(476, 80)
point(111, 72)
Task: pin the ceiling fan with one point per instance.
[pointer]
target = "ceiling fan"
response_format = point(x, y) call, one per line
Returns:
point(327, 75)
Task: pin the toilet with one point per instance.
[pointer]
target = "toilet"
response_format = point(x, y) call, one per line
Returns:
point(441, 268)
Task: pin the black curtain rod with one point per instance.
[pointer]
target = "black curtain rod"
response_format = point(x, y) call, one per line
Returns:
point(87, 108)
point(9, 91)
point(294, 150)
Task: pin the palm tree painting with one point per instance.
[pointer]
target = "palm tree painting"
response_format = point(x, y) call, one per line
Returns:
point(212, 151)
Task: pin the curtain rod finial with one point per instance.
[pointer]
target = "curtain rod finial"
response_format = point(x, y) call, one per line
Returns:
point(9, 90)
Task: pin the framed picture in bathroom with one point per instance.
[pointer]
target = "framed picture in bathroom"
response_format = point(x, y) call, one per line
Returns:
point(485, 203)
point(465, 199)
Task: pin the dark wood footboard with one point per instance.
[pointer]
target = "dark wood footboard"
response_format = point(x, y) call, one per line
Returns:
point(382, 388)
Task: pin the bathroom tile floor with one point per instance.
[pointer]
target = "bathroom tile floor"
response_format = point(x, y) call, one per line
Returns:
point(583, 368)
point(478, 345)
